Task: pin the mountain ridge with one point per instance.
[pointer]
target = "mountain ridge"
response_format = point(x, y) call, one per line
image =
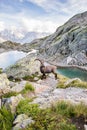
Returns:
point(67, 43)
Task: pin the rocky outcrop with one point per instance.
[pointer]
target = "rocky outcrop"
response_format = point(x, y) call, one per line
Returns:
point(24, 67)
point(12, 102)
point(8, 45)
point(4, 84)
point(68, 40)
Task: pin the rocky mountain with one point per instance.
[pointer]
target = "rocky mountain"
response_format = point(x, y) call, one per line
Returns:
point(68, 45)
point(20, 36)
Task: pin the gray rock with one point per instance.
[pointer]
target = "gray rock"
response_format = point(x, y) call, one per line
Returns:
point(12, 102)
point(20, 118)
point(4, 84)
point(22, 121)
point(18, 87)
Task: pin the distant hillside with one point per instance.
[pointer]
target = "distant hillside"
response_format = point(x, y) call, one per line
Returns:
point(20, 36)
point(68, 45)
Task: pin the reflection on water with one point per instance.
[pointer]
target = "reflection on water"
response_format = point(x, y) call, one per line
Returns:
point(9, 58)
point(73, 73)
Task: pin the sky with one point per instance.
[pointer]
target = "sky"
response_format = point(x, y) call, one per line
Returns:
point(38, 15)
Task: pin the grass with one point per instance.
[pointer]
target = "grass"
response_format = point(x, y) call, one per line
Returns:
point(6, 119)
point(28, 88)
point(32, 77)
point(27, 108)
point(59, 117)
point(9, 94)
point(1, 70)
point(75, 83)
point(61, 81)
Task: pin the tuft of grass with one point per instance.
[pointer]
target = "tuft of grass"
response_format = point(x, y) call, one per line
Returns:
point(28, 88)
point(9, 94)
point(61, 82)
point(81, 109)
point(27, 108)
point(28, 77)
point(6, 119)
point(65, 109)
point(75, 83)
point(1, 70)
point(32, 77)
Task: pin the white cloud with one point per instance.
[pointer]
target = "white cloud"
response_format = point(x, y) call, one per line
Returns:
point(38, 25)
point(69, 7)
point(2, 26)
point(57, 14)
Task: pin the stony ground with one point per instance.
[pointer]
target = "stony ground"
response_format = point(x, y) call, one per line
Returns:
point(47, 93)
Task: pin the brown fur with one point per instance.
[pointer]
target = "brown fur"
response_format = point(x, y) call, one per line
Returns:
point(47, 69)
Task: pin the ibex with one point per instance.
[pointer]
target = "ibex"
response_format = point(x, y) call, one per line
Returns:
point(47, 69)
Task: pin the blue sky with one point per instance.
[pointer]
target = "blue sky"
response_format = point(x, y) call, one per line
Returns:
point(38, 15)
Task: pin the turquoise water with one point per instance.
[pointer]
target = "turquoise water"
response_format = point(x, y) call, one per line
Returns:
point(73, 73)
point(9, 58)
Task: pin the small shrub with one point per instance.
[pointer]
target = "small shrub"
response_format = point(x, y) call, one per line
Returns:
point(6, 119)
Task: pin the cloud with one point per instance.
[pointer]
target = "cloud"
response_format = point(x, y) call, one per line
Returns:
point(57, 13)
point(2, 25)
point(38, 25)
point(68, 7)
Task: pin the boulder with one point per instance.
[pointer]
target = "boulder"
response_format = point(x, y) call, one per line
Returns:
point(12, 102)
point(4, 84)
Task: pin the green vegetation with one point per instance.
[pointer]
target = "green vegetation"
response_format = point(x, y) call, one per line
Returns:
point(74, 83)
point(60, 117)
point(9, 94)
point(61, 81)
point(15, 66)
point(28, 108)
point(1, 70)
point(28, 88)
point(77, 83)
point(6, 119)
point(32, 77)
